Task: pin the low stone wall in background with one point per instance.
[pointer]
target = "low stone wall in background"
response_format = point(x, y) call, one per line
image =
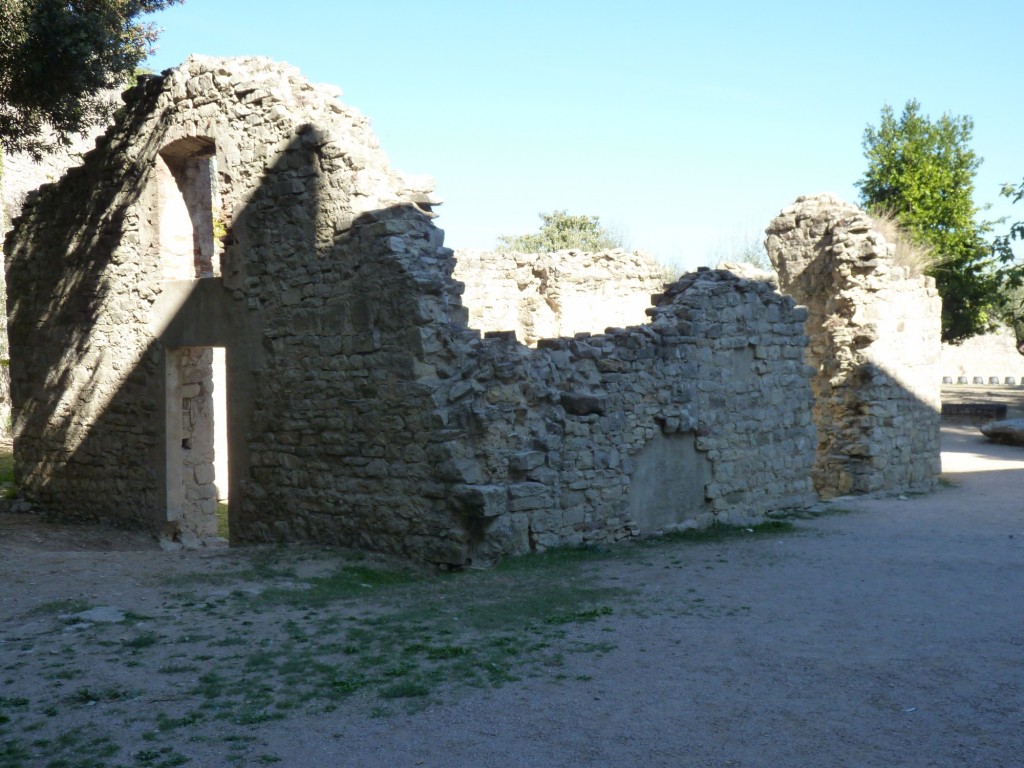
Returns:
point(990, 359)
point(544, 295)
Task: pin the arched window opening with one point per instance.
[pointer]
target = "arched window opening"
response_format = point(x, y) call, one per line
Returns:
point(190, 224)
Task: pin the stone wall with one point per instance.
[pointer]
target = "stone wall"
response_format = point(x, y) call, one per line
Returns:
point(874, 327)
point(702, 415)
point(361, 407)
point(557, 294)
point(993, 358)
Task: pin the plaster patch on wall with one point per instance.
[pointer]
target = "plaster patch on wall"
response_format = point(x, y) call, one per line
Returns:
point(666, 490)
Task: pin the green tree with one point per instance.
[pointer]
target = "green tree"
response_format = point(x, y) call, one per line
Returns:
point(561, 231)
point(921, 172)
point(1012, 270)
point(56, 59)
point(1003, 245)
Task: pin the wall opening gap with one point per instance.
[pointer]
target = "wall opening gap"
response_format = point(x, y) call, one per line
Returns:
point(188, 200)
point(197, 443)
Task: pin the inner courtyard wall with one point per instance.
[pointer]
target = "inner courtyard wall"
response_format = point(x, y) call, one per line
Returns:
point(545, 295)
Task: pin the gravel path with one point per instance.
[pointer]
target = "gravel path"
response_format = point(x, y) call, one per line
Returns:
point(886, 632)
point(889, 636)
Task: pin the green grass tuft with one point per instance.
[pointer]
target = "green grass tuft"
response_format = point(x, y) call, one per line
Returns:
point(222, 519)
point(721, 532)
point(144, 640)
point(6, 466)
point(404, 690)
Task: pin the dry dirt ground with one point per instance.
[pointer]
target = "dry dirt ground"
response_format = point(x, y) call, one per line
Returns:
point(878, 632)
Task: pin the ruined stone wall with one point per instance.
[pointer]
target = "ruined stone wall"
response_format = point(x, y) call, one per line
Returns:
point(452, 448)
point(874, 328)
point(544, 295)
point(95, 306)
point(701, 415)
point(361, 407)
point(20, 174)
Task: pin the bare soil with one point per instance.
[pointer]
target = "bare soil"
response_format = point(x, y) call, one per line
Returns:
point(877, 632)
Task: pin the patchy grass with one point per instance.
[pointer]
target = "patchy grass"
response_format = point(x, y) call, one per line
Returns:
point(8, 490)
point(349, 581)
point(140, 641)
point(718, 532)
point(56, 607)
point(92, 695)
point(328, 630)
point(222, 519)
point(558, 558)
point(77, 747)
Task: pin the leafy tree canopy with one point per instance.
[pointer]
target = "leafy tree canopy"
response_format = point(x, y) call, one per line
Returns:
point(559, 232)
point(1003, 245)
point(921, 172)
point(56, 58)
point(1012, 270)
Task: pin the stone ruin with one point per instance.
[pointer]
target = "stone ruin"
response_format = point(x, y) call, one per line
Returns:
point(874, 327)
point(237, 213)
point(557, 294)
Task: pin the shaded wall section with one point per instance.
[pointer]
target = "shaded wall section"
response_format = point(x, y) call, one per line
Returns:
point(874, 327)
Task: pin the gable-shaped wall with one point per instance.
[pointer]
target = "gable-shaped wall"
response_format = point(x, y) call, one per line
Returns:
point(362, 409)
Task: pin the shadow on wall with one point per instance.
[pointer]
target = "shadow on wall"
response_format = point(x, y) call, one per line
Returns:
point(72, 303)
point(102, 385)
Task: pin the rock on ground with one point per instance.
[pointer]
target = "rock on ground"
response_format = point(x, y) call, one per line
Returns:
point(1006, 431)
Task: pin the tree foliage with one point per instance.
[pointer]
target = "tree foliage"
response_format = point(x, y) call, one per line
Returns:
point(56, 59)
point(921, 172)
point(561, 231)
point(1012, 270)
point(1003, 245)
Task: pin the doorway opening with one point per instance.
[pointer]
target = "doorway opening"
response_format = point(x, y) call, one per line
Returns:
point(197, 452)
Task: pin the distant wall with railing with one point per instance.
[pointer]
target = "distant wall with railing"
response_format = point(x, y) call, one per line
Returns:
point(989, 359)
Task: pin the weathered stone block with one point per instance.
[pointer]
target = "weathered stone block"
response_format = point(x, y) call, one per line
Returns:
point(524, 462)
point(480, 500)
point(583, 403)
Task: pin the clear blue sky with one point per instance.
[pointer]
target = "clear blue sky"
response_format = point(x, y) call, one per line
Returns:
point(685, 125)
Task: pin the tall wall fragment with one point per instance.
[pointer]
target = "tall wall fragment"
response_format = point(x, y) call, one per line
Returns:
point(361, 407)
point(874, 326)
